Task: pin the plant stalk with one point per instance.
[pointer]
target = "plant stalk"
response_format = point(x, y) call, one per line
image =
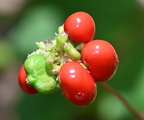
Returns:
point(124, 101)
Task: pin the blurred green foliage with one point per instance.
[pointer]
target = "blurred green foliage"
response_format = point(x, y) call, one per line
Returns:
point(7, 54)
point(119, 22)
point(38, 23)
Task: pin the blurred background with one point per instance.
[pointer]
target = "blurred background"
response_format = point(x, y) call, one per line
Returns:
point(23, 22)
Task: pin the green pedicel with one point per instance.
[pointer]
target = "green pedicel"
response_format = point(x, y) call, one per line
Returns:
point(37, 74)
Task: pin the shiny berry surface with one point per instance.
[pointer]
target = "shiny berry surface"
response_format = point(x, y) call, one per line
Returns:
point(101, 59)
point(77, 84)
point(80, 27)
point(22, 82)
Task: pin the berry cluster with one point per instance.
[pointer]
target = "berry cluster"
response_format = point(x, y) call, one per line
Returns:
point(72, 62)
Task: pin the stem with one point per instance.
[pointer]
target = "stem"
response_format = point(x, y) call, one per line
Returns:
point(116, 94)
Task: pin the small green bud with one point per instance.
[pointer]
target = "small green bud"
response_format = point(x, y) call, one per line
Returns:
point(80, 46)
point(61, 38)
point(72, 52)
point(61, 29)
point(41, 45)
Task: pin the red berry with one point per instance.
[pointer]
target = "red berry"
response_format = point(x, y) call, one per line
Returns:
point(77, 85)
point(22, 82)
point(101, 58)
point(80, 27)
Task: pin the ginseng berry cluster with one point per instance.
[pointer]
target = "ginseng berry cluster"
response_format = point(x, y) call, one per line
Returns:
point(72, 62)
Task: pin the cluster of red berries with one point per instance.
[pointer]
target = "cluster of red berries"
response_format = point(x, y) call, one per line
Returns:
point(99, 61)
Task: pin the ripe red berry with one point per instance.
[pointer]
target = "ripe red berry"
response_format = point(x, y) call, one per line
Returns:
point(101, 59)
point(22, 82)
point(77, 85)
point(80, 27)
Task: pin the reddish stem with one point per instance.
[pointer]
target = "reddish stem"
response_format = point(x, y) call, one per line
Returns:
point(116, 94)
